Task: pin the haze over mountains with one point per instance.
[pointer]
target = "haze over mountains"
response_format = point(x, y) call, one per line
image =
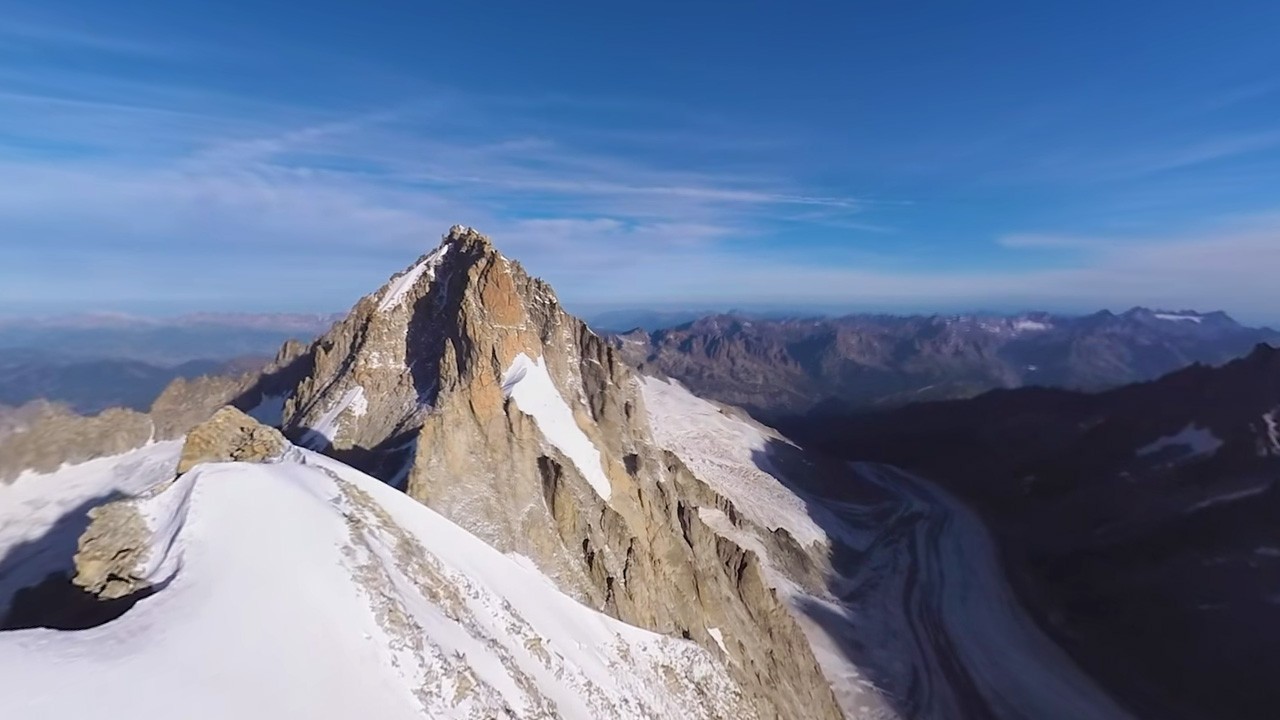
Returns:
point(763, 361)
point(779, 367)
point(93, 362)
point(159, 341)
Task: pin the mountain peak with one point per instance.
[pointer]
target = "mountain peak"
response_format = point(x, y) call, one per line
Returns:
point(466, 384)
point(465, 237)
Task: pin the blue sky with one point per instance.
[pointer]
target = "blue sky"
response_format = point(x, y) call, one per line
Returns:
point(161, 157)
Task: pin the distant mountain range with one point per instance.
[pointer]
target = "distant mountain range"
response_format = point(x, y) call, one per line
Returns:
point(789, 366)
point(91, 386)
point(157, 341)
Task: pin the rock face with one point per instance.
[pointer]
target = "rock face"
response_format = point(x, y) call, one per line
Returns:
point(231, 436)
point(113, 551)
point(42, 436)
point(466, 383)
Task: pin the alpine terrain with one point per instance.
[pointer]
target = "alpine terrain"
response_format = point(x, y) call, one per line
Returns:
point(462, 502)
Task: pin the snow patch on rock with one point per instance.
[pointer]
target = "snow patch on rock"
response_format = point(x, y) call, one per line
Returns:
point(269, 410)
point(1179, 317)
point(1273, 432)
point(326, 429)
point(399, 287)
point(528, 383)
point(1197, 441)
point(1030, 326)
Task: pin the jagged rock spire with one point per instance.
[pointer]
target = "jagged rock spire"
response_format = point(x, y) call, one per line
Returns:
point(463, 381)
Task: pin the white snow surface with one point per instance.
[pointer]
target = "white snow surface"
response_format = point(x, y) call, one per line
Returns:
point(1178, 317)
point(326, 429)
point(530, 385)
point(1197, 440)
point(731, 454)
point(1024, 325)
point(43, 514)
point(400, 287)
point(307, 589)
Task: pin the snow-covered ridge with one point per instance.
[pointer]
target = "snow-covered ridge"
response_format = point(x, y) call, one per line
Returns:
point(400, 287)
point(528, 383)
point(308, 589)
point(35, 538)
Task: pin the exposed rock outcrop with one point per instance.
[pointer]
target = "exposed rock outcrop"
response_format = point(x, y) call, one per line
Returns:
point(112, 554)
point(231, 436)
point(465, 381)
point(113, 551)
point(47, 436)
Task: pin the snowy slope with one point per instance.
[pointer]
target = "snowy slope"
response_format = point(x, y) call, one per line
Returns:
point(43, 514)
point(917, 621)
point(730, 453)
point(308, 589)
point(400, 286)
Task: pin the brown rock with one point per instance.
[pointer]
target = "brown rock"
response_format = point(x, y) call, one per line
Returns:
point(231, 436)
point(427, 363)
point(112, 551)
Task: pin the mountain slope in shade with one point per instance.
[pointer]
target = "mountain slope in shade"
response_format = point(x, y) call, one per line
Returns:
point(308, 589)
point(911, 617)
point(780, 367)
point(1139, 522)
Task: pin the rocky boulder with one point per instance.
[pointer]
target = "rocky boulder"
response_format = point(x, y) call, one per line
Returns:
point(231, 436)
point(112, 552)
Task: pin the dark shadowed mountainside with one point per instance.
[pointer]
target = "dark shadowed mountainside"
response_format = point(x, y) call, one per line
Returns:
point(1140, 522)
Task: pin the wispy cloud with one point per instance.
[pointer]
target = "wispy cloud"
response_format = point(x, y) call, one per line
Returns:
point(1234, 269)
point(211, 182)
point(17, 34)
